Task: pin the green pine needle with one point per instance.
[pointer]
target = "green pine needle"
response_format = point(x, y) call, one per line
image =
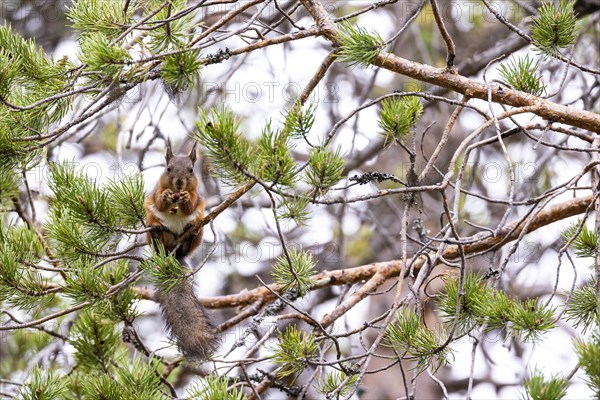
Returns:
point(230, 153)
point(324, 169)
point(299, 121)
point(398, 116)
point(164, 270)
point(9, 187)
point(332, 382)
point(521, 74)
point(588, 352)
point(294, 209)
point(136, 380)
point(586, 242)
point(554, 28)
point(584, 307)
point(175, 34)
point(22, 241)
point(99, 386)
point(358, 46)
point(276, 162)
point(82, 284)
point(104, 16)
point(294, 351)
point(8, 72)
point(538, 388)
point(85, 217)
point(498, 311)
point(531, 319)
point(72, 240)
point(43, 384)
point(474, 293)
point(180, 71)
point(481, 305)
point(27, 75)
point(26, 61)
point(96, 342)
point(127, 197)
point(296, 276)
point(21, 286)
point(409, 336)
point(216, 387)
point(100, 55)
point(140, 379)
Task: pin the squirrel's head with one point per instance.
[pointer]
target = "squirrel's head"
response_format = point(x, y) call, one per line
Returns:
point(179, 174)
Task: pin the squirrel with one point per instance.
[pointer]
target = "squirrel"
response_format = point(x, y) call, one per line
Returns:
point(173, 208)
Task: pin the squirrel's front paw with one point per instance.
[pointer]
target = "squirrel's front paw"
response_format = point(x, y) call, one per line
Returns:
point(184, 196)
point(167, 195)
point(155, 230)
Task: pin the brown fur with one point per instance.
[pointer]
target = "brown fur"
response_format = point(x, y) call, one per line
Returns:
point(177, 188)
point(176, 196)
point(188, 322)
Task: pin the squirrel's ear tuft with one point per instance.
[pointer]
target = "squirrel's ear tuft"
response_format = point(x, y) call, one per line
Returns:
point(193, 154)
point(169, 154)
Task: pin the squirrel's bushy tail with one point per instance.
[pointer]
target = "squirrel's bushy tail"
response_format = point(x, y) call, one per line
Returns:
point(186, 318)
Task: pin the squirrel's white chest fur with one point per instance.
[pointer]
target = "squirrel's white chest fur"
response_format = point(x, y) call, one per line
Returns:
point(177, 222)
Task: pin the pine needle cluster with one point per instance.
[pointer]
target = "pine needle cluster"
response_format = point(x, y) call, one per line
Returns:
point(180, 71)
point(584, 307)
point(294, 351)
point(100, 16)
point(216, 387)
point(102, 56)
point(585, 243)
point(521, 74)
point(335, 381)
point(298, 120)
point(105, 370)
point(554, 28)
point(588, 352)
point(107, 51)
point(43, 384)
point(358, 46)
point(27, 76)
point(276, 164)
point(537, 387)
point(324, 170)
point(87, 219)
point(398, 117)
point(164, 270)
point(410, 337)
point(173, 35)
point(21, 287)
point(294, 273)
point(294, 209)
point(228, 150)
point(481, 305)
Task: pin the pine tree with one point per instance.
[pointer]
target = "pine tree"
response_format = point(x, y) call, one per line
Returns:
point(74, 269)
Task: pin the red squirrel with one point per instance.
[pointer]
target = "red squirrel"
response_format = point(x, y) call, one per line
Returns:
point(175, 205)
point(173, 208)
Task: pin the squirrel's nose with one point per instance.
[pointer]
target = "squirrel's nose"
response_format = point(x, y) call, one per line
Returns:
point(179, 183)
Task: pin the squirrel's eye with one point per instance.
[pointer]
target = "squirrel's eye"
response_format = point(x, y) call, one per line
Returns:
point(168, 169)
point(191, 170)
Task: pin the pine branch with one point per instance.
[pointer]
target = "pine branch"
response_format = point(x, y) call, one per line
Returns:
point(390, 269)
point(460, 84)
